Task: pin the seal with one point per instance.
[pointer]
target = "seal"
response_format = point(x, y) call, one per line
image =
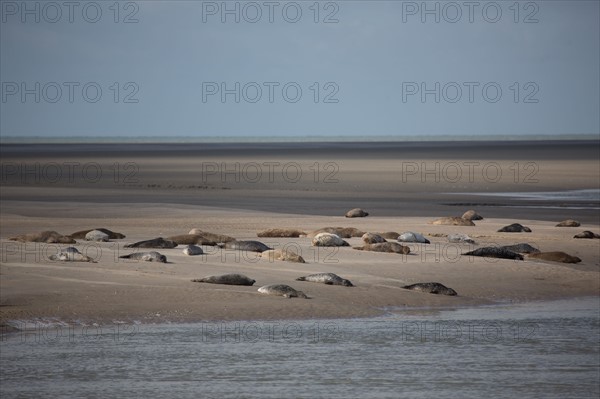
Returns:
point(326, 278)
point(431, 288)
point(410, 236)
point(556, 256)
point(111, 234)
point(391, 235)
point(372, 238)
point(151, 256)
point(495, 252)
point(282, 254)
point(192, 250)
point(328, 240)
point(281, 233)
point(212, 236)
point(453, 221)
point(356, 213)
point(569, 223)
point(515, 228)
point(48, 236)
point(460, 238)
point(522, 248)
point(343, 232)
point(471, 215)
point(252, 246)
point(390, 247)
point(96, 235)
point(281, 290)
point(70, 254)
point(587, 234)
point(154, 243)
point(228, 279)
point(191, 239)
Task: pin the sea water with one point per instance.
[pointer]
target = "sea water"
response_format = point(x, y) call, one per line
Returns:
point(532, 350)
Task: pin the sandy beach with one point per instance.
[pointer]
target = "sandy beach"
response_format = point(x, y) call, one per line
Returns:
point(148, 191)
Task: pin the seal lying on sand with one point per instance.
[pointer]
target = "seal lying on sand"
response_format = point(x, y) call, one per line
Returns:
point(70, 254)
point(391, 235)
point(569, 223)
point(460, 238)
point(471, 215)
point(356, 213)
point(97, 235)
point(191, 239)
point(495, 252)
point(390, 247)
point(212, 236)
point(431, 288)
point(281, 233)
point(111, 234)
point(328, 240)
point(282, 254)
point(151, 256)
point(522, 248)
point(154, 243)
point(229, 279)
point(515, 228)
point(372, 238)
point(252, 246)
point(281, 290)
point(556, 256)
point(587, 234)
point(410, 236)
point(192, 250)
point(453, 221)
point(343, 232)
point(326, 278)
point(49, 236)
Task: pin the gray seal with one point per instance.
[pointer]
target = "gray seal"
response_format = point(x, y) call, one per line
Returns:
point(356, 213)
point(522, 248)
point(515, 228)
point(151, 256)
point(556, 256)
point(154, 243)
point(410, 236)
point(111, 234)
point(495, 252)
point(281, 290)
point(390, 247)
point(328, 240)
point(252, 246)
point(458, 238)
point(96, 235)
point(372, 238)
point(587, 234)
point(431, 288)
point(191, 239)
point(192, 250)
point(471, 215)
point(569, 223)
point(228, 279)
point(294, 233)
point(326, 278)
point(70, 254)
point(48, 236)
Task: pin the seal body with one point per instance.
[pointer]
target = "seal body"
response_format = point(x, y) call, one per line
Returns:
point(460, 238)
point(356, 213)
point(192, 250)
point(453, 221)
point(390, 247)
point(431, 288)
point(471, 215)
point(372, 238)
point(495, 252)
point(48, 236)
point(154, 243)
point(410, 236)
point(281, 233)
point(328, 240)
point(70, 254)
point(96, 235)
point(392, 235)
point(326, 278)
point(281, 290)
point(228, 279)
point(587, 234)
point(522, 248)
point(556, 256)
point(151, 256)
point(191, 239)
point(282, 254)
point(212, 236)
point(252, 246)
point(343, 232)
point(569, 223)
point(515, 228)
point(111, 234)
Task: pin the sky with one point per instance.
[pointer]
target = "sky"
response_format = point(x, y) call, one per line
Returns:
point(299, 68)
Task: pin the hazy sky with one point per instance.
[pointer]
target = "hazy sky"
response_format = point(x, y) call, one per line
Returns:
point(299, 68)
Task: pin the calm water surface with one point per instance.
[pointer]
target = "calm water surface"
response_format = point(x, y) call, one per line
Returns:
point(534, 350)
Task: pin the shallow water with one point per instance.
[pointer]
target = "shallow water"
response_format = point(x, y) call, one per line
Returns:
point(534, 350)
